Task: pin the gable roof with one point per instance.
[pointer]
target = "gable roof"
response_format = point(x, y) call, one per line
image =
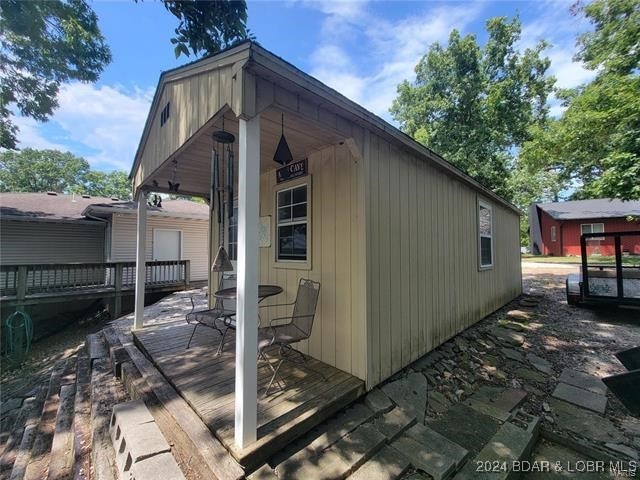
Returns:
point(259, 61)
point(594, 208)
point(74, 208)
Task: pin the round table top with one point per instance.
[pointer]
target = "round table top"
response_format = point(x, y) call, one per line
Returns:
point(264, 291)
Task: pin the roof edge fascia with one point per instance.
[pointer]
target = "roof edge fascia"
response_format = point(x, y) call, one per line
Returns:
point(262, 57)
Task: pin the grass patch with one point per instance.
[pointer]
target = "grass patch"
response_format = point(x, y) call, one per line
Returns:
point(631, 260)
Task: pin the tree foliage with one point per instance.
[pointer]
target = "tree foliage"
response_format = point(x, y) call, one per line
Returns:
point(43, 44)
point(206, 27)
point(595, 146)
point(50, 170)
point(475, 105)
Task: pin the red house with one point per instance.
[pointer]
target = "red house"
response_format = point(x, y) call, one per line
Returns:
point(555, 228)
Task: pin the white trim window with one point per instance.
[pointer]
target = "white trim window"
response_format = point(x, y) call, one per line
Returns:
point(292, 226)
point(592, 228)
point(553, 233)
point(485, 235)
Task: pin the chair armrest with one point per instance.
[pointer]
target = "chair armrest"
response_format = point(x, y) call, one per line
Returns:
point(277, 305)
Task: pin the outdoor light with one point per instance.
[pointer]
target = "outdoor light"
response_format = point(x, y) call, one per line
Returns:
point(283, 153)
point(174, 185)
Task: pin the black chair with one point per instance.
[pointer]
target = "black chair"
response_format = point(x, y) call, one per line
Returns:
point(215, 318)
point(282, 332)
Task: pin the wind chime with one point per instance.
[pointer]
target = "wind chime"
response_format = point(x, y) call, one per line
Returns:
point(221, 185)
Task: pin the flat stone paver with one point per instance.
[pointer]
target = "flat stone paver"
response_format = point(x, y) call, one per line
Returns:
point(466, 427)
point(583, 380)
point(434, 441)
point(512, 354)
point(551, 453)
point(432, 462)
point(340, 425)
point(496, 402)
point(584, 422)
point(582, 398)
point(509, 444)
point(387, 464)
point(393, 423)
point(509, 337)
point(377, 401)
point(409, 393)
point(360, 445)
point(327, 466)
point(539, 363)
point(161, 466)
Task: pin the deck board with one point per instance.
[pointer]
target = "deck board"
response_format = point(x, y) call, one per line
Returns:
point(207, 383)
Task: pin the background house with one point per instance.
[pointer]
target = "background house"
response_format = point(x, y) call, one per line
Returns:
point(60, 228)
point(555, 228)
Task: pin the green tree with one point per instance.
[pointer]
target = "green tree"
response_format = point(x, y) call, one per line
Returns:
point(614, 44)
point(112, 184)
point(43, 44)
point(595, 146)
point(32, 170)
point(41, 170)
point(475, 105)
point(206, 27)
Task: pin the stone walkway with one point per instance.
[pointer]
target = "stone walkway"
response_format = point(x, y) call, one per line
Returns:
point(492, 393)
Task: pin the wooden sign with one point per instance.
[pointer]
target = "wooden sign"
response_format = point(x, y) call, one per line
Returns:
point(292, 170)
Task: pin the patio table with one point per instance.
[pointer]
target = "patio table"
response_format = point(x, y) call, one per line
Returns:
point(264, 291)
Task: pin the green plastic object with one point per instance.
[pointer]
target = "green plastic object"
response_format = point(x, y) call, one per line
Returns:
point(19, 333)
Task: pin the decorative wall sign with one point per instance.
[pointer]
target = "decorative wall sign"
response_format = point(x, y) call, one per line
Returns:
point(291, 171)
point(264, 231)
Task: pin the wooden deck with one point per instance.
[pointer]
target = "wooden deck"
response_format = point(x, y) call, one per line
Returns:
point(207, 383)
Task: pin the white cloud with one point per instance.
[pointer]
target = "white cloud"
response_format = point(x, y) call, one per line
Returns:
point(105, 121)
point(394, 48)
point(29, 135)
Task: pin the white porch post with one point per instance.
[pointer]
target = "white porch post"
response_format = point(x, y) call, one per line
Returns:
point(247, 283)
point(141, 254)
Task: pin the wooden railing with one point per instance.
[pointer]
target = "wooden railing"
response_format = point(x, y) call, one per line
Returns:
point(20, 282)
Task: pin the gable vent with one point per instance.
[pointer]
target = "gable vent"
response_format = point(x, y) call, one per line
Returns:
point(52, 194)
point(86, 196)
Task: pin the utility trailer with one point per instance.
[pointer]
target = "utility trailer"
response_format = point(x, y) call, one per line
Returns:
point(602, 283)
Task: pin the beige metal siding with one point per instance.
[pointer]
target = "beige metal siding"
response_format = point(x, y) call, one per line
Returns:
point(423, 281)
point(338, 336)
point(43, 242)
point(194, 240)
point(194, 97)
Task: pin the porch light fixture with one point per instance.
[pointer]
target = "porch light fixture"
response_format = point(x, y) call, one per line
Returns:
point(223, 142)
point(283, 153)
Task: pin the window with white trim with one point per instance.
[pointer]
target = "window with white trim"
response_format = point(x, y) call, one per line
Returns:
point(553, 233)
point(485, 235)
point(292, 224)
point(592, 228)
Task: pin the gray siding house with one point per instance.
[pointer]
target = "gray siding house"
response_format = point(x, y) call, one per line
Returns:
point(58, 228)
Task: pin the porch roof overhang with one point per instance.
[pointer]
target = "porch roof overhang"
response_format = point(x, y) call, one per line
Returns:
point(258, 81)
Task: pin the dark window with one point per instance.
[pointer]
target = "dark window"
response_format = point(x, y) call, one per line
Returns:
point(485, 231)
point(164, 115)
point(292, 223)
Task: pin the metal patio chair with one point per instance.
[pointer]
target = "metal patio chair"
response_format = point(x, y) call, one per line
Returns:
point(283, 334)
point(216, 318)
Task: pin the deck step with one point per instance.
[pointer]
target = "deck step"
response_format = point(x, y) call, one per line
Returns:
point(40, 452)
point(105, 392)
point(38, 430)
point(62, 447)
point(82, 417)
point(30, 411)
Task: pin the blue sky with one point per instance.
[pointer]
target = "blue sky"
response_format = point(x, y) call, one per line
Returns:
point(361, 48)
